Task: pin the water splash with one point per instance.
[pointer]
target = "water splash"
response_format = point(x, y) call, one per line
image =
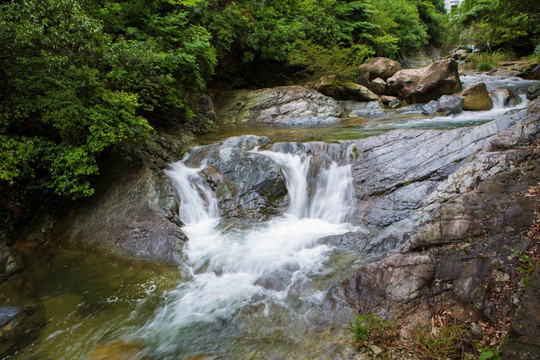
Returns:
point(234, 268)
point(317, 189)
point(198, 202)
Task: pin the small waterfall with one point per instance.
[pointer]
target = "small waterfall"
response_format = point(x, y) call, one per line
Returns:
point(499, 99)
point(198, 202)
point(333, 198)
point(242, 274)
point(316, 191)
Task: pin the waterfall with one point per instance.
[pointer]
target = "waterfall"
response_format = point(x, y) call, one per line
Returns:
point(198, 202)
point(233, 268)
point(327, 195)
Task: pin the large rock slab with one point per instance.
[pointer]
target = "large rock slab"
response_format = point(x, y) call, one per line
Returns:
point(133, 215)
point(291, 105)
point(427, 83)
point(457, 202)
point(380, 67)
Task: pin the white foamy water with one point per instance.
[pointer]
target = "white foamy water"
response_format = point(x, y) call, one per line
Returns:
point(234, 266)
point(329, 194)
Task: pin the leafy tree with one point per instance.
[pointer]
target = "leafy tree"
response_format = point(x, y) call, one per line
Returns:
point(511, 24)
point(72, 90)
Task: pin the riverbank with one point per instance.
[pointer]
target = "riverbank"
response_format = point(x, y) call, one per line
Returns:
point(422, 199)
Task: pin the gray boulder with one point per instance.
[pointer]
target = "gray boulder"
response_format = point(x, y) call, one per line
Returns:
point(291, 105)
point(372, 108)
point(248, 185)
point(449, 104)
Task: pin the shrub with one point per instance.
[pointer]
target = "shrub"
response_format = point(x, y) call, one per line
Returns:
point(484, 66)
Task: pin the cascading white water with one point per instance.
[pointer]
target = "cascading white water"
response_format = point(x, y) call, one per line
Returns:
point(198, 202)
point(232, 267)
point(330, 198)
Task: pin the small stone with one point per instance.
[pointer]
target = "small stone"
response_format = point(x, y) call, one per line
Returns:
point(395, 104)
point(378, 86)
point(477, 331)
point(376, 350)
point(405, 333)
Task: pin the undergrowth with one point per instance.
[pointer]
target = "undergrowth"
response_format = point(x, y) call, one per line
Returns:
point(444, 338)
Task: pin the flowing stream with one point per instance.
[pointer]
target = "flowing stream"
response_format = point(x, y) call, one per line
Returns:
point(242, 276)
point(246, 291)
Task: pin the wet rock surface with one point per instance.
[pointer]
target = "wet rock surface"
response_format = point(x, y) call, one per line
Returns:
point(450, 209)
point(133, 215)
point(292, 105)
point(18, 327)
point(10, 262)
point(248, 185)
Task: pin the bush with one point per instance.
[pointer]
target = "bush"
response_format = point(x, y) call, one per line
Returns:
point(484, 66)
point(332, 60)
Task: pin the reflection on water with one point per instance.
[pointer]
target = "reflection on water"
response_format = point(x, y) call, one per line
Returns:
point(86, 299)
point(355, 127)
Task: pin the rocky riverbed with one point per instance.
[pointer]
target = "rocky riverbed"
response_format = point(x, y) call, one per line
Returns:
point(438, 225)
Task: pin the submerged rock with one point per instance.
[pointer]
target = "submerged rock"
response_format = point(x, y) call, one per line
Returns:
point(291, 105)
point(18, 327)
point(428, 83)
point(118, 350)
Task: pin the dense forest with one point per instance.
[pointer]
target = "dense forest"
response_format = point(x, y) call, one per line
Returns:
point(80, 77)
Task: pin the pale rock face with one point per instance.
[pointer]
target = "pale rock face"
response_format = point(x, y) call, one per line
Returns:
point(292, 105)
point(427, 83)
point(477, 98)
point(380, 67)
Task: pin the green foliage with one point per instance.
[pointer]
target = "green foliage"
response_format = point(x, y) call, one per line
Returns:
point(487, 354)
point(444, 342)
point(330, 60)
point(511, 24)
point(73, 88)
point(366, 327)
point(443, 339)
point(484, 66)
point(80, 77)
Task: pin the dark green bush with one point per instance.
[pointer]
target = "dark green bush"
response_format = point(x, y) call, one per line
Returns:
point(484, 66)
